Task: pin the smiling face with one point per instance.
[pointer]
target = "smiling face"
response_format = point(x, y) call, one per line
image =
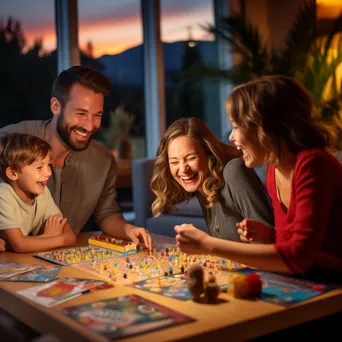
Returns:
point(188, 163)
point(80, 117)
point(31, 180)
point(247, 142)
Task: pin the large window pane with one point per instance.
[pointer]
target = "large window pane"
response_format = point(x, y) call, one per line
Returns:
point(186, 44)
point(110, 38)
point(28, 62)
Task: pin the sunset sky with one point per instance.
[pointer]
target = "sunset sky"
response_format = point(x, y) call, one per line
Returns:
point(111, 25)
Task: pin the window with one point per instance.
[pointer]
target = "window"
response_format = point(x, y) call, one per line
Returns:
point(186, 44)
point(110, 39)
point(28, 59)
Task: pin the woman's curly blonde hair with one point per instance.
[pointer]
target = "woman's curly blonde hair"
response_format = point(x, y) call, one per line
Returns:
point(164, 186)
point(278, 110)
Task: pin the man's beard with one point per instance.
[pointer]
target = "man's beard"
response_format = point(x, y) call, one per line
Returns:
point(64, 131)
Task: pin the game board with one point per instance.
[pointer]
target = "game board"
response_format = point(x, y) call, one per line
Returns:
point(124, 316)
point(127, 270)
point(176, 286)
point(285, 290)
point(75, 255)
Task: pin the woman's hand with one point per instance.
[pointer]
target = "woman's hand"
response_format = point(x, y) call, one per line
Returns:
point(254, 231)
point(192, 240)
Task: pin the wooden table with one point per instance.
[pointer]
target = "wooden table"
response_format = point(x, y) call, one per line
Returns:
point(233, 319)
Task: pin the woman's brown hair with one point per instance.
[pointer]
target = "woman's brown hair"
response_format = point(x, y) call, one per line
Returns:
point(279, 110)
point(166, 189)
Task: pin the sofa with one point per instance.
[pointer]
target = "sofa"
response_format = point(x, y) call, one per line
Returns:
point(188, 212)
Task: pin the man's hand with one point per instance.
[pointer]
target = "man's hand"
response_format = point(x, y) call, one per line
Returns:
point(138, 235)
point(254, 231)
point(192, 240)
point(54, 225)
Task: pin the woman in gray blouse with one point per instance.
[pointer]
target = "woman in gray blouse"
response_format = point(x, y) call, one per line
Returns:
point(191, 160)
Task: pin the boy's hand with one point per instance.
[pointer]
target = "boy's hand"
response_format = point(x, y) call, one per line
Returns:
point(254, 231)
point(54, 225)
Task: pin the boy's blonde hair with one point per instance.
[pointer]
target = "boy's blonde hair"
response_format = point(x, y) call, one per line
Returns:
point(18, 150)
point(168, 192)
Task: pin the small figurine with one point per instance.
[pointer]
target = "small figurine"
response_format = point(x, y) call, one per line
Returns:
point(212, 289)
point(196, 281)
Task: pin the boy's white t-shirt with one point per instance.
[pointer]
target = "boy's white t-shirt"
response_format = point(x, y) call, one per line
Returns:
point(14, 213)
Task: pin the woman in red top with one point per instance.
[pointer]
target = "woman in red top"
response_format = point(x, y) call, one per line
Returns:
point(273, 125)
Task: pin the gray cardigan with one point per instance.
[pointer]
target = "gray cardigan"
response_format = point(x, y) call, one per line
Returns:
point(243, 196)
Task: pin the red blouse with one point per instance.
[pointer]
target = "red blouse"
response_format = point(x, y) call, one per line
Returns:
point(309, 234)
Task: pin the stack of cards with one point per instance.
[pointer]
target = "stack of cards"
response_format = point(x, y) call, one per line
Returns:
point(61, 289)
point(34, 273)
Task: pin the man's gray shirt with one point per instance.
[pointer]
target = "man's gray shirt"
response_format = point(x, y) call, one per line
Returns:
point(243, 196)
point(87, 184)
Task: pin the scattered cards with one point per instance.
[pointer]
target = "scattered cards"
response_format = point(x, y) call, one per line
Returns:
point(60, 290)
point(10, 269)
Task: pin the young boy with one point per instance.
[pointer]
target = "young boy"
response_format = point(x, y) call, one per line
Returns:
point(26, 205)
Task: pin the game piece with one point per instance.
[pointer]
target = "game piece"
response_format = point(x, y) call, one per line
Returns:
point(246, 286)
point(239, 288)
point(196, 281)
point(124, 247)
point(211, 290)
point(254, 285)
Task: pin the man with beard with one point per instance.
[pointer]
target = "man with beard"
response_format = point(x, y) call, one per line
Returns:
point(83, 171)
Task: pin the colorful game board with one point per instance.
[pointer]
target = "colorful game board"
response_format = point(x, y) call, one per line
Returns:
point(285, 290)
point(41, 274)
point(76, 255)
point(176, 286)
point(124, 316)
point(127, 270)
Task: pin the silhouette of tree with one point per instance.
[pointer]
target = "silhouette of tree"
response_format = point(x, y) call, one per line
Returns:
point(188, 96)
point(27, 77)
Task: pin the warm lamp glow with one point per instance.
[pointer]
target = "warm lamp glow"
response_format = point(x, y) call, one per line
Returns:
point(329, 8)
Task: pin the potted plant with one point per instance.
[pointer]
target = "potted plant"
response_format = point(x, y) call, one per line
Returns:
point(116, 135)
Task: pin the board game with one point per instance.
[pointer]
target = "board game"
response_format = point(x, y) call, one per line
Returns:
point(70, 256)
point(285, 290)
point(124, 316)
point(126, 270)
point(121, 246)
